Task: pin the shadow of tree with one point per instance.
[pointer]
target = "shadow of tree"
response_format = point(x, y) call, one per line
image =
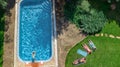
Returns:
point(61, 22)
point(70, 8)
point(7, 38)
point(10, 5)
point(103, 5)
point(2, 19)
point(2, 25)
point(62, 16)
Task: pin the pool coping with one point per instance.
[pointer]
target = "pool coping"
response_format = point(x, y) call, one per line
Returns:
point(54, 41)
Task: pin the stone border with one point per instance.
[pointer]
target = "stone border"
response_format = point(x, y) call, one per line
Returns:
point(16, 3)
point(107, 35)
point(55, 35)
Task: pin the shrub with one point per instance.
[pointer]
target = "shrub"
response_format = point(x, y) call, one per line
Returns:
point(112, 1)
point(88, 19)
point(3, 4)
point(1, 47)
point(93, 22)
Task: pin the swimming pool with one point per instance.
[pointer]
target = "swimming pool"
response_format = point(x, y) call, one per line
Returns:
point(35, 30)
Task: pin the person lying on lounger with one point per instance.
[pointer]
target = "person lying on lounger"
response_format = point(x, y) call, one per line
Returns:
point(92, 45)
point(87, 48)
point(80, 61)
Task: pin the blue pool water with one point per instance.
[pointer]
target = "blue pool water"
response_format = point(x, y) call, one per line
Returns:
point(35, 30)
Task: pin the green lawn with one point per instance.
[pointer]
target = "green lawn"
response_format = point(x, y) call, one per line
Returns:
point(106, 55)
point(111, 28)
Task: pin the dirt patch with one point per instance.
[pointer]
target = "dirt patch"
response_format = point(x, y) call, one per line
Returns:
point(8, 56)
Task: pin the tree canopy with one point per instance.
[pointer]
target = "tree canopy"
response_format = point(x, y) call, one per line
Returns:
point(3, 4)
point(85, 17)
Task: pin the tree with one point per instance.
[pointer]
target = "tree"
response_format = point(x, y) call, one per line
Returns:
point(3, 4)
point(93, 22)
point(110, 1)
point(85, 17)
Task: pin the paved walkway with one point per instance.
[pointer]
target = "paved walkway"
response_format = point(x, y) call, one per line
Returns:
point(8, 56)
point(108, 35)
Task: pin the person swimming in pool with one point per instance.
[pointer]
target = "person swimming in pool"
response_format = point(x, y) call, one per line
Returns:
point(33, 56)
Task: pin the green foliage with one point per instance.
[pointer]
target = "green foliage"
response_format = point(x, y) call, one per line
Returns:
point(112, 1)
point(85, 5)
point(88, 19)
point(2, 23)
point(70, 9)
point(3, 4)
point(1, 47)
point(111, 28)
point(106, 8)
point(93, 22)
point(102, 57)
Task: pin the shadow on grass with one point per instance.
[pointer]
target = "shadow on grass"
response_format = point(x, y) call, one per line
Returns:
point(103, 5)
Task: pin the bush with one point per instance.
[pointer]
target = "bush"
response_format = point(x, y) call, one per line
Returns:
point(88, 19)
point(1, 47)
point(3, 4)
point(93, 22)
point(112, 1)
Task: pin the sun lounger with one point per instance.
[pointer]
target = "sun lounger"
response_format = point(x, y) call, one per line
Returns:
point(92, 45)
point(81, 52)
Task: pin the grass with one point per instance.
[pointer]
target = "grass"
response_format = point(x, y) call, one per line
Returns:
point(106, 55)
point(111, 28)
point(2, 26)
